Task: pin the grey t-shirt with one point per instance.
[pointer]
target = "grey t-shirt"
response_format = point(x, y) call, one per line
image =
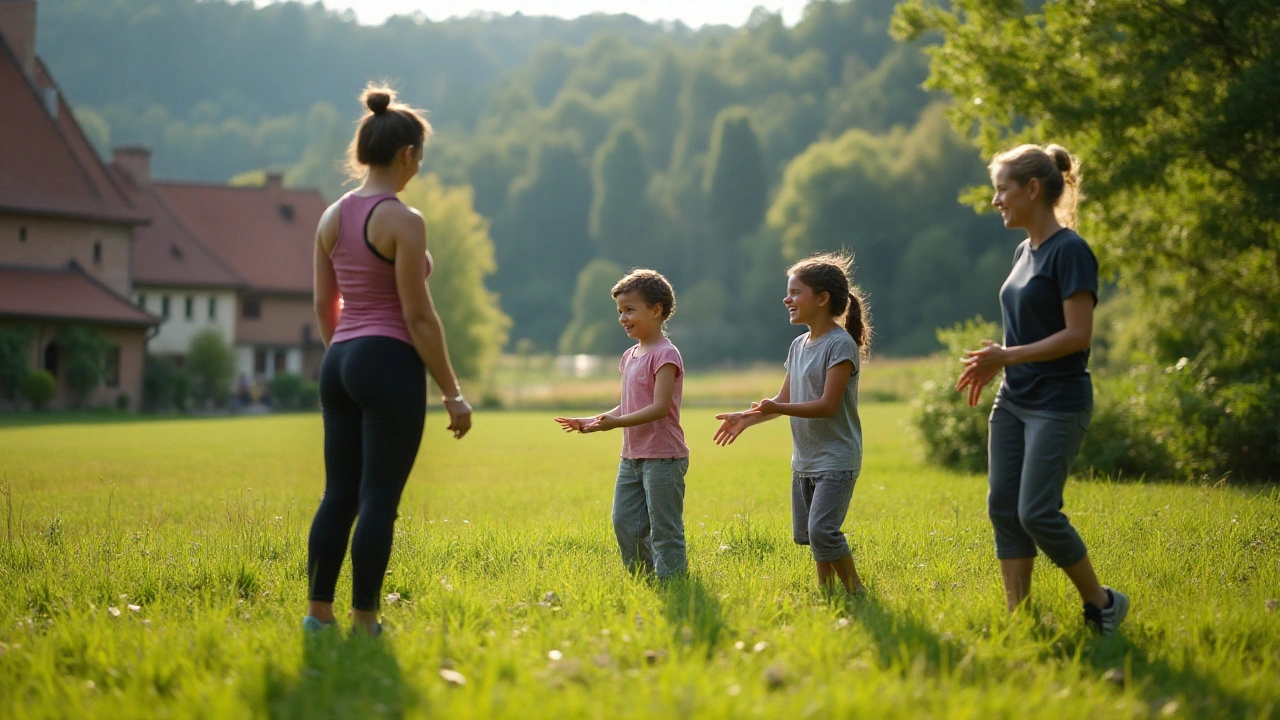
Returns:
point(831, 444)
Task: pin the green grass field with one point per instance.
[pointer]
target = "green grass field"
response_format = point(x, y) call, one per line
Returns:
point(156, 569)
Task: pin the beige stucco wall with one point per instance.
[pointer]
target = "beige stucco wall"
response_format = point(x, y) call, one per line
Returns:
point(53, 242)
point(279, 330)
point(132, 344)
point(176, 332)
point(281, 321)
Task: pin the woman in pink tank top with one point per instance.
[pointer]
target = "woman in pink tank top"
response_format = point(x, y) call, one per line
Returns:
point(381, 329)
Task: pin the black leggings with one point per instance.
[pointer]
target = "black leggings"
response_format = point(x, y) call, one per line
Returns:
point(373, 391)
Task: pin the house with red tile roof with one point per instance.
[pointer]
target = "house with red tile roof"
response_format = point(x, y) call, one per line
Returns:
point(237, 258)
point(66, 226)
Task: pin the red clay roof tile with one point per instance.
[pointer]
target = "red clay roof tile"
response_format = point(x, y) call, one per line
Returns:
point(47, 166)
point(267, 243)
point(167, 252)
point(64, 294)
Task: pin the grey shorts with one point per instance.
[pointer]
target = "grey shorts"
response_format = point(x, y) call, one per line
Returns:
point(819, 502)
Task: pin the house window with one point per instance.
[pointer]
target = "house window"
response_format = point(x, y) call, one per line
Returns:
point(281, 357)
point(97, 252)
point(164, 307)
point(213, 308)
point(111, 368)
point(250, 308)
point(142, 301)
point(259, 362)
point(22, 234)
point(190, 308)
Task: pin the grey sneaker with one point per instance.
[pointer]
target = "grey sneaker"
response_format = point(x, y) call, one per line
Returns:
point(1106, 620)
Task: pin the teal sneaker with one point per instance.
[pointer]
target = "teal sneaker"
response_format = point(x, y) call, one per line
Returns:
point(312, 625)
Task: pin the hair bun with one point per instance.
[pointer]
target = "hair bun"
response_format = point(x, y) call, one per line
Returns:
point(1061, 158)
point(378, 100)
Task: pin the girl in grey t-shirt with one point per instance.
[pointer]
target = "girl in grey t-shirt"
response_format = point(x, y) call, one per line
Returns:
point(820, 395)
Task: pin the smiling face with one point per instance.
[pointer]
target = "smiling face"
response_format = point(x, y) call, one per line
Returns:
point(1016, 202)
point(641, 322)
point(804, 306)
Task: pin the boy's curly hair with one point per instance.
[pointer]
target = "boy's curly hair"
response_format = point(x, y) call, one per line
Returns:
point(651, 286)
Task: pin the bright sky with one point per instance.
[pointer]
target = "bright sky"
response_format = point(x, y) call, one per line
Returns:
point(694, 13)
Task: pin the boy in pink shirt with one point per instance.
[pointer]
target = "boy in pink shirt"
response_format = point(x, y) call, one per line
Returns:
point(648, 500)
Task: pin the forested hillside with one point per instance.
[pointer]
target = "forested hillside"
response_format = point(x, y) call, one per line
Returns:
point(591, 145)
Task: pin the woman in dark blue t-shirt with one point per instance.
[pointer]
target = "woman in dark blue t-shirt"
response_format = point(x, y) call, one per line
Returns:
point(1045, 402)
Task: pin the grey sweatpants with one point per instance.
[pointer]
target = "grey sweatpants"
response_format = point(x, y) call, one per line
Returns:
point(648, 514)
point(1029, 455)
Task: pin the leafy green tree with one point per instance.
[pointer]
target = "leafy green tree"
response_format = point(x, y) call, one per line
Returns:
point(212, 364)
point(621, 220)
point(86, 352)
point(593, 328)
point(542, 240)
point(1174, 109)
point(736, 186)
point(15, 355)
point(460, 246)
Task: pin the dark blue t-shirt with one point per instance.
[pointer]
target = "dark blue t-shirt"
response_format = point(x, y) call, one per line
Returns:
point(1031, 305)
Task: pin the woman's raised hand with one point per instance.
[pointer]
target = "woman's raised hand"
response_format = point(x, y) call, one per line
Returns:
point(980, 366)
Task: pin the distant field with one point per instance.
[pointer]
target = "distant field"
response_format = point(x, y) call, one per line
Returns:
point(534, 383)
point(156, 569)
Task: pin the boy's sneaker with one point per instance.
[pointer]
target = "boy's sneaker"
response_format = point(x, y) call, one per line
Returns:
point(1106, 620)
point(312, 625)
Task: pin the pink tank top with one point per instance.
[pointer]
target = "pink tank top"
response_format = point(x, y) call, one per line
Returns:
point(366, 279)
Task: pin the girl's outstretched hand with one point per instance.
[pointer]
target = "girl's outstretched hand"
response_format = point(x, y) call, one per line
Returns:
point(980, 366)
point(574, 424)
point(767, 406)
point(730, 428)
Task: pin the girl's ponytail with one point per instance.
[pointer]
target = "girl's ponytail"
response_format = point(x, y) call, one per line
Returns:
point(857, 322)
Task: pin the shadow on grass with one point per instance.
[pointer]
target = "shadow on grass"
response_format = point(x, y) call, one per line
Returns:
point(1158, 682)
point(340, 677)
point(908, 645)
point(692, 611)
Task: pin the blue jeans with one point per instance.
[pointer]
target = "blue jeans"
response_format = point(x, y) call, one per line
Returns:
point(648, 514)
point(1029, 455)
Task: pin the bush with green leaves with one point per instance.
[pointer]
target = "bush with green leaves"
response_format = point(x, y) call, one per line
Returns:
point(285, 388)
point(38, 388)
point(212, 364)
point(165, 386)
point(951, 433)
point(308, 395)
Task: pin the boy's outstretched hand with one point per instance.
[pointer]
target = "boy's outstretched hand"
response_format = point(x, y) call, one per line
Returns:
point(588, 425)
point(575, 424)
point(730, 428)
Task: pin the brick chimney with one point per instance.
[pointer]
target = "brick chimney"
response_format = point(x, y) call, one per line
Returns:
point(275, 187)
point(134, 161)
point(18, 29)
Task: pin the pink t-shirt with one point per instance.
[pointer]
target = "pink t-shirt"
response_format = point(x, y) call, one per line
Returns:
point(661, 438)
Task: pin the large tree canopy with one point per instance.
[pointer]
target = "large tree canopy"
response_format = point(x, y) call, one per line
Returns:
point(1174, 108)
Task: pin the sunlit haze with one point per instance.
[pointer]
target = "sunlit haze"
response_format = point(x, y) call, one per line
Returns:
point(693, 13)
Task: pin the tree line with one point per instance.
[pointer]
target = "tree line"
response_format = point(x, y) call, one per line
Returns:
point(715, 156)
